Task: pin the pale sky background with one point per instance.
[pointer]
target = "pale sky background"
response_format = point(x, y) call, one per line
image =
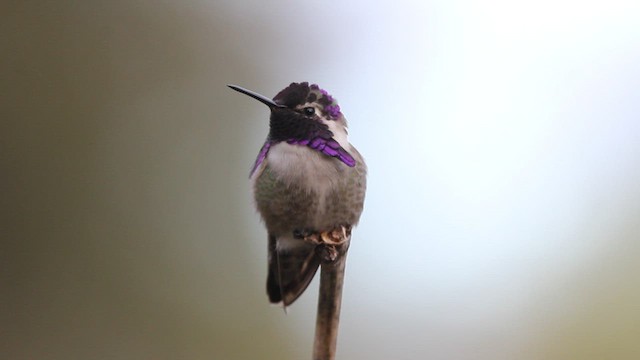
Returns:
point(502, 218)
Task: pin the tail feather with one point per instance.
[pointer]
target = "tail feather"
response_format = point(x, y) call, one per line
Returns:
point(291, 269)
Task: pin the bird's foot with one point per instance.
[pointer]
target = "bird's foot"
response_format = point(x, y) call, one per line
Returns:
point(337, 236)
point(329, 244)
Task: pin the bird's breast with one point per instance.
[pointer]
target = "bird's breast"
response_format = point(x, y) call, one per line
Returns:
point(304, 167)
point(298, 187)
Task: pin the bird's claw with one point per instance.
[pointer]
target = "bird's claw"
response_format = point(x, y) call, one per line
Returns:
point(329, 244)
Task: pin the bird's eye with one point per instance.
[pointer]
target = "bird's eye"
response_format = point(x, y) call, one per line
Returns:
point(309, 110)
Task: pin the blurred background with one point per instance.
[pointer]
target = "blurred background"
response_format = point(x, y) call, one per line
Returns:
point(503, 211)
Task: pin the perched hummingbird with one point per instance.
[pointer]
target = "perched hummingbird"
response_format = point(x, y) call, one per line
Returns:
point(306, 179)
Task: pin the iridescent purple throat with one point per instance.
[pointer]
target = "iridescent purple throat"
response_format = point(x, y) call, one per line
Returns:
point(329, 147)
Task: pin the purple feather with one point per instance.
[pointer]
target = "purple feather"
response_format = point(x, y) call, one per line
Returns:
point(330, 151)
point(333, 110)
point(329, 147)
point(333, 144)
point(315, 143)
point(346, 158)
point(261, 156)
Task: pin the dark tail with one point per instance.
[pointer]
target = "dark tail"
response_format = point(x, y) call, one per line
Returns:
point(290, 270)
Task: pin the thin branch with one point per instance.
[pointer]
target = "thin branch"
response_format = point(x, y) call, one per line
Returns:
point(334, 257)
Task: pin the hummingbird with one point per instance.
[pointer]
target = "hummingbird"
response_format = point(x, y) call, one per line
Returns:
point(307, 179)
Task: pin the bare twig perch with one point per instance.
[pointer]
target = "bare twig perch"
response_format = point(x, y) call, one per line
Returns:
point(332, 250)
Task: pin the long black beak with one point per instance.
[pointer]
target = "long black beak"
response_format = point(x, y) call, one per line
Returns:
point(263, 99)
